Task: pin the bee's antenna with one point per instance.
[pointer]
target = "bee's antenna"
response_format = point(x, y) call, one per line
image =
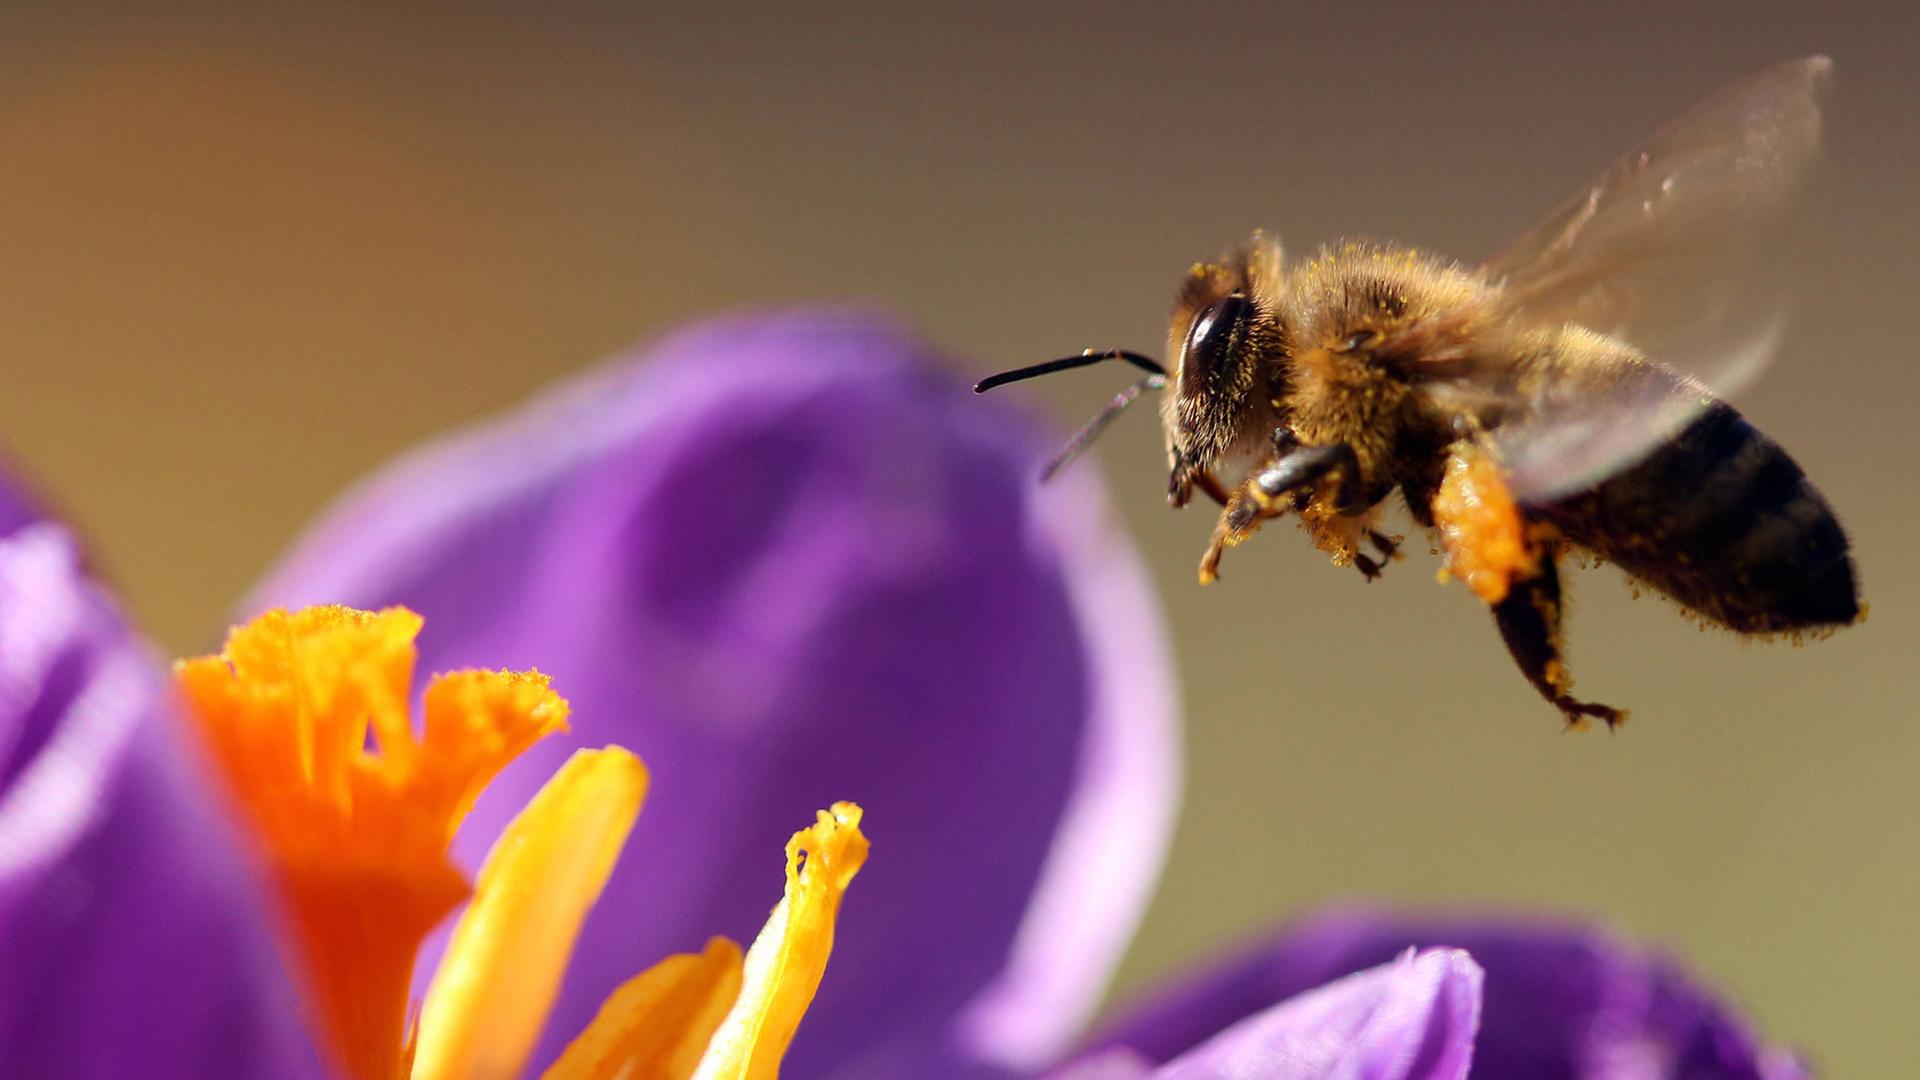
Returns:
point(1100, 420)
point(1144, 363)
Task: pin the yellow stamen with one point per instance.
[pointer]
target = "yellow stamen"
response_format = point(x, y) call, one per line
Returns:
point(784, 966)
point(658, 1023)
point(356, 838)
point(494, 988)
point(357, 841)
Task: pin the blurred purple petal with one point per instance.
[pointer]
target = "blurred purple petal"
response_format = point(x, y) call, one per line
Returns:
point(133, 939)
point(1560, 1000)
point(17, 508)
point(1413, 1018)
point(1113, 1063)
point(1408, 1019)
point(788, 560)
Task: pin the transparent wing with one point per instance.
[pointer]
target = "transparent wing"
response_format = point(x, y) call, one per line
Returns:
point(1678, 248)
point(1666, 236)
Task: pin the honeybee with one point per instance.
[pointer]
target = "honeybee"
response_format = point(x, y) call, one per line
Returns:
point(1512, 404)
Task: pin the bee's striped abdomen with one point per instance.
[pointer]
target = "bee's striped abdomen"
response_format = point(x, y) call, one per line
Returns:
point(1722, 520)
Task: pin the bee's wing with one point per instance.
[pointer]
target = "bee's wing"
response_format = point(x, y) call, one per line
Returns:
point(1675, 249)
point(1666, 236)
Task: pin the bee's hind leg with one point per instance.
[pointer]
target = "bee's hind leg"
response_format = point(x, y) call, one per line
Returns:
point(1529, 621)
point(1510, 563)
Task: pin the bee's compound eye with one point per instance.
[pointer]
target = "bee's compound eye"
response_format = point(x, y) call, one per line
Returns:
point(1212, 337)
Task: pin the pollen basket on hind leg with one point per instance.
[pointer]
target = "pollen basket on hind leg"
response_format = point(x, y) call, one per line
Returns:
point(1480, 526)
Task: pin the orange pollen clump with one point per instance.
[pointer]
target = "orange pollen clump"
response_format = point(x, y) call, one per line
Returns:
point(356, 835)
point(1480, 527)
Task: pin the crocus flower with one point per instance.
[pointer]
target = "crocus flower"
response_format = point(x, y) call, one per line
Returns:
point(1560, 1001)
point(784, 560)
point(1413, 1018)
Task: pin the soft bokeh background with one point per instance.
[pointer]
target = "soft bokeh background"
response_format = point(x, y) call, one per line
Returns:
point(246, 255)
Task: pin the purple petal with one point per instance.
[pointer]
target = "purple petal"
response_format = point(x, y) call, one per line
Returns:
point(1114, 1063)
point(1412, 1018)
point(788, 561)
point(1560, 1000)
point(133, 939)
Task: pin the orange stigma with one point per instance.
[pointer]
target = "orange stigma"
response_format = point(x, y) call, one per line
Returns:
point(356, 830)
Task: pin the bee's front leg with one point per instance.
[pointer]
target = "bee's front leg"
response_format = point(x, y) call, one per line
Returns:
point(1181, 483)
point(1272, 489)
point(1205, 481)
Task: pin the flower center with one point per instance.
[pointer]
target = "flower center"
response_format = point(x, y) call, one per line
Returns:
point(356, 829)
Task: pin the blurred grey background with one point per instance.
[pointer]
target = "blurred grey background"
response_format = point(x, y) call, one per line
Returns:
point(249, 254)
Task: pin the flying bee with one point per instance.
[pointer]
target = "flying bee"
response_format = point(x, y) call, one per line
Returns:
point(1512, 404)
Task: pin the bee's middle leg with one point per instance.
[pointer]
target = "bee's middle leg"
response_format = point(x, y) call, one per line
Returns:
point(1387, 546)
point(1529, 621)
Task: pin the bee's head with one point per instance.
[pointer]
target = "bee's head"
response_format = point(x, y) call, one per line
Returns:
point(1224, 335)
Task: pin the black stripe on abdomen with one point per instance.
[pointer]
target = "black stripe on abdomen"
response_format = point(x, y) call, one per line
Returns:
point(1722, 520)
